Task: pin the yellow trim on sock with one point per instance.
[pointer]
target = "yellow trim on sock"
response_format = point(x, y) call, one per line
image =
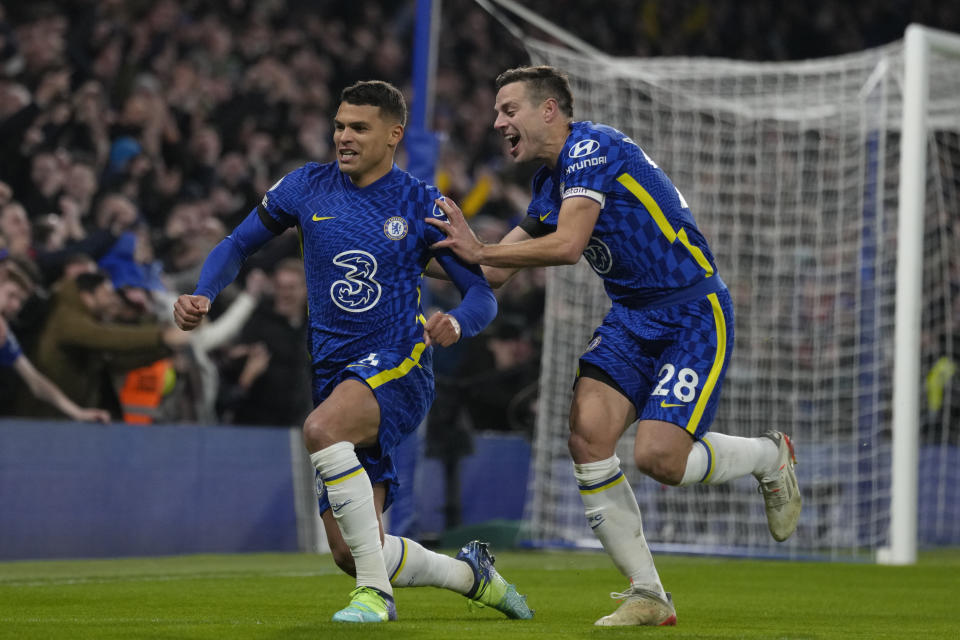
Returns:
point(622, 478)
point(344, 478)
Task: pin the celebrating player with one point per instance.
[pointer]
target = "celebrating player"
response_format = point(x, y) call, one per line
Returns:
point(660, 354)
point(365, 247)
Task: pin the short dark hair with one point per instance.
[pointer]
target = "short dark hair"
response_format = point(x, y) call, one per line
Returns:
point(90, 281)
point(77, 257)
point(542, 82)
point(378, 93)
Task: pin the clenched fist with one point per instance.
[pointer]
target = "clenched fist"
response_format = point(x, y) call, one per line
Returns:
point(189, 310)
point(442, 329)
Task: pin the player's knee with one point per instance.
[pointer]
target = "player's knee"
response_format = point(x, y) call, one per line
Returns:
point(317, 433)
point(582, 443)
point(577, 445)
point(660, 464)
point(585, 448)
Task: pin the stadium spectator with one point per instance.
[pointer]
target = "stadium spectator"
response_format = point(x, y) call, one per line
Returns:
point(190, 232)
point(131, 261)
point(233, 187)
point(50, 232)
point(370, 344)
point(671, 320)
point(198, 375)
point(498, 379)
point(273, 385)
point(15, 287)
point(16, 229)
point(79, 188)
point(81, 345)
point(32, 317)
point(87, 138)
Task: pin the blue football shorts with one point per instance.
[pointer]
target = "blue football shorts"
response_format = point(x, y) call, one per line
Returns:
point(670, 362)
point(403, 385)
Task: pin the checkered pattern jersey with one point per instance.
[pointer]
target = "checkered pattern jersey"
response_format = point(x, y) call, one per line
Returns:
point(646, 243)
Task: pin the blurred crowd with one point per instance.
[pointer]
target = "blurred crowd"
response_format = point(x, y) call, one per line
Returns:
point(137, 133)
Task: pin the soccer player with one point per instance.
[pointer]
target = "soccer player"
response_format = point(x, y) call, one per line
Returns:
point(365, 247)
point(661, 352)
point(15, 288)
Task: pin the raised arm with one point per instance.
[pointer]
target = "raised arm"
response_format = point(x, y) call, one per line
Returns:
point(496, 276)
point(220, 268)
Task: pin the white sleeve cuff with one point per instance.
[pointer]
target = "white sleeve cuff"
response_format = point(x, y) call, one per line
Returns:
point(585, 193)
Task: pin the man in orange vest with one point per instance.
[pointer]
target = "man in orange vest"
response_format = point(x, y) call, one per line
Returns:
point(143, 391)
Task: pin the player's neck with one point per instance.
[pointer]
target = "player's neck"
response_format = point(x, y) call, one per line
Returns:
point(369, 177)
point(556, 138)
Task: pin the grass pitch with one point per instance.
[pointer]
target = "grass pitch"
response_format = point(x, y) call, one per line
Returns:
point(292, 596)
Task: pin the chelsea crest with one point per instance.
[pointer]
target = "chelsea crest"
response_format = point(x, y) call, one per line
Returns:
point(395, 228)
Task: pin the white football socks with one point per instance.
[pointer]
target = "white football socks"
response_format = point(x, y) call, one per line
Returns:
point(411, 565)
point(719, 458)
point(614, 515)
point(351, 501)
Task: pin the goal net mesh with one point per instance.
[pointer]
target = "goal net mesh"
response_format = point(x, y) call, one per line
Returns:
point(791, 171)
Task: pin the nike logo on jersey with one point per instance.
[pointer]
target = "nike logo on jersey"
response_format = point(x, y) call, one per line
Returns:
point(317, 218)
point(546, 215)
point(667, 405)
point(340, 505)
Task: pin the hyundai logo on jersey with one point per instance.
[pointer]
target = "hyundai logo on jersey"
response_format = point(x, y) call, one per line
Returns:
point(583, 148)
point(586, 162)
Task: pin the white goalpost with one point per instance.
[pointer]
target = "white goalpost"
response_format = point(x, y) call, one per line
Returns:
point(922, 46)
point(829, 191)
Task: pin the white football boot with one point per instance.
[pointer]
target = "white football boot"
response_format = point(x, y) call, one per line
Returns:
point(781, 494)
point(640, 607)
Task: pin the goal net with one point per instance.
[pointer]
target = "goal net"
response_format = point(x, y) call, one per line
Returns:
point(792, 173)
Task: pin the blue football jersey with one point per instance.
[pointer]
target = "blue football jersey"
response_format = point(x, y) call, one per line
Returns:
point(365, 250)
point(645, 245)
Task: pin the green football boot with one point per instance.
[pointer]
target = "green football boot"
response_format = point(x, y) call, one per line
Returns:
point(489, 587)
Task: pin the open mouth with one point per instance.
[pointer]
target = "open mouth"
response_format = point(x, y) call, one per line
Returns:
point(346, 154)
point(513, 141)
